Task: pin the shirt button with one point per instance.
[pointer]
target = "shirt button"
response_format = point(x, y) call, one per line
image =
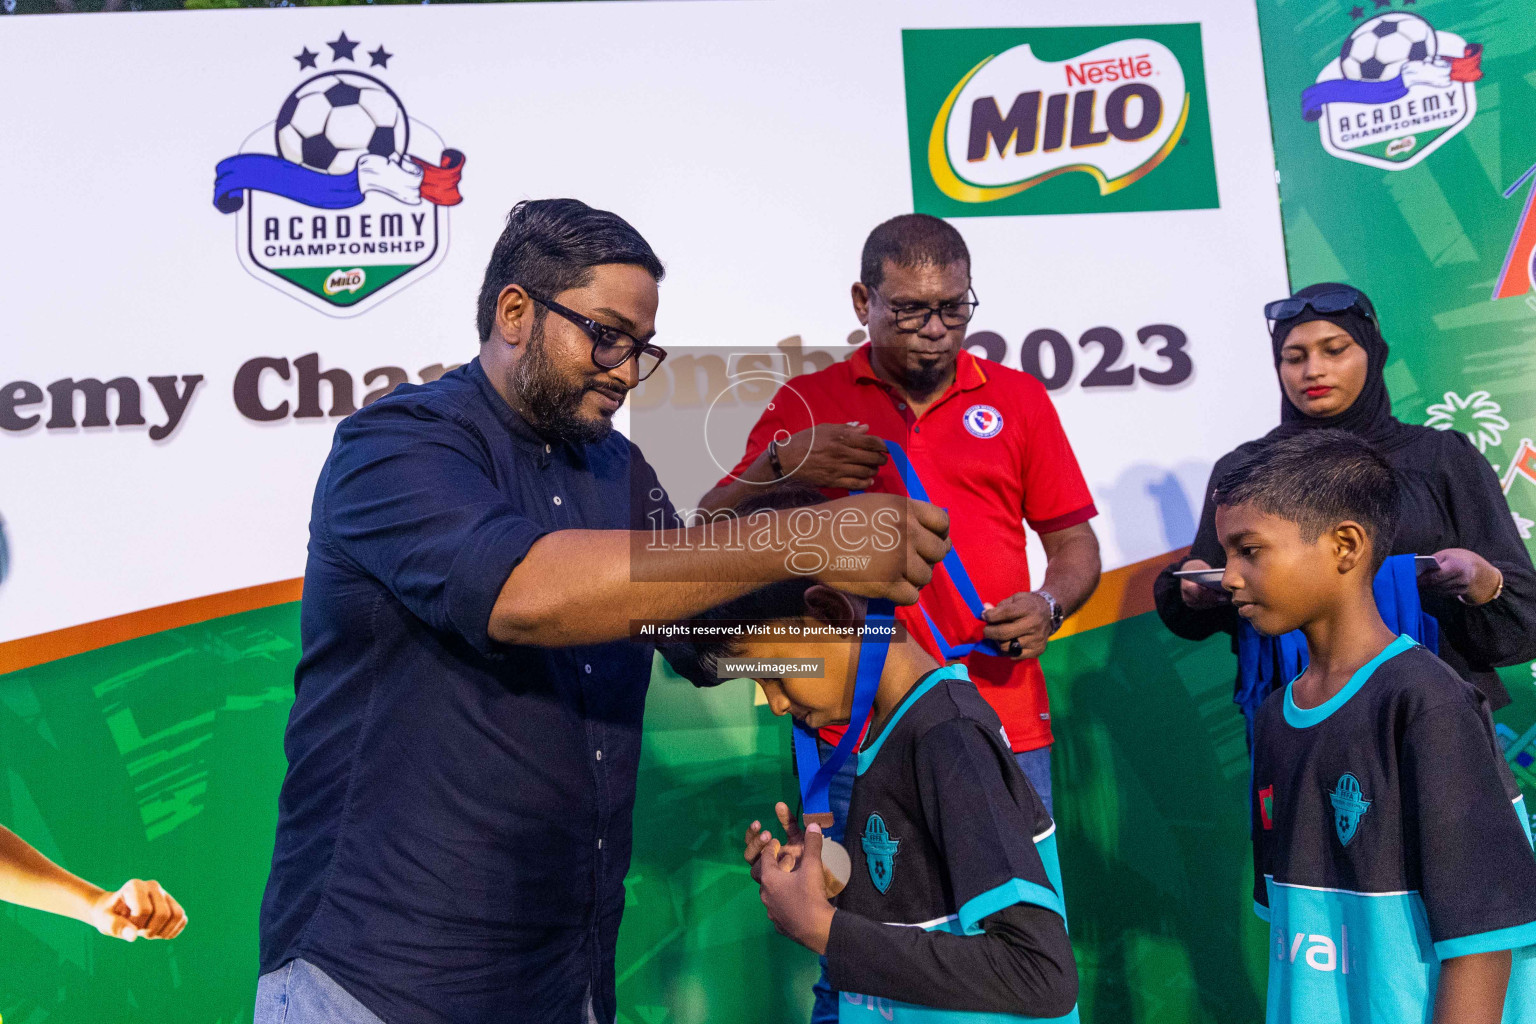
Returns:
point(599, 844)
point(599, 755)
point(588, 668)
point(557, 499)
point(901, 405)
point(547, 449)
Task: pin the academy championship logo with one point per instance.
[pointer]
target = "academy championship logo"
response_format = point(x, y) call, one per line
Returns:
point(342, 199)
point(1397, 91)
point(1058, 120)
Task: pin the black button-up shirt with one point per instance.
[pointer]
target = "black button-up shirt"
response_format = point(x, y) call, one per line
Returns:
point(455, 824)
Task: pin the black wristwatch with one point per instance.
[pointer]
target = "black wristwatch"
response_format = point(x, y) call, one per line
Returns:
point(1057, 611)
point(773, 459)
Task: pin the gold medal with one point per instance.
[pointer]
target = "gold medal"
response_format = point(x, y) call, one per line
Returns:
point(836, 867)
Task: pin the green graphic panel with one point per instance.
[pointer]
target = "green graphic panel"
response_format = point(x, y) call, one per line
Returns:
point(1428, 242)
point(936, 60)
point(159, 758)
point(162, 757)
point(313, 279)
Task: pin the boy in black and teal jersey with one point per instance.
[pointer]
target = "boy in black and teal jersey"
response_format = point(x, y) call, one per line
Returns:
point(953, 911)
point(1392, 850)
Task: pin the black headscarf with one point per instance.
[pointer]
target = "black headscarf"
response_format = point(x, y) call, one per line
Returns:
point(1370, 416)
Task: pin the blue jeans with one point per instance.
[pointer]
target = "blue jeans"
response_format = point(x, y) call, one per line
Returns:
point(301, 993)
point(1036, 766)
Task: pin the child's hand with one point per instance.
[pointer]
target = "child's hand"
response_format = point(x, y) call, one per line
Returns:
point(759, 840)
point(795, 895)
point(138, 910)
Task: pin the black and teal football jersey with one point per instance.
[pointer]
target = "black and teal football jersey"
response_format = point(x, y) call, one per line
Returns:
point(943, 831)
point(1388, 835)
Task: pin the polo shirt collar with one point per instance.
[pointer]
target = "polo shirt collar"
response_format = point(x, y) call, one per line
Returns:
point(969, 374)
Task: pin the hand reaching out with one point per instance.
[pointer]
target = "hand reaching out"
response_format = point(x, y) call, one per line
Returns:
point(138, 910)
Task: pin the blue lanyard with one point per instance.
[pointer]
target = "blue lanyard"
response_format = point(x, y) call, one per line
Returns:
point(952, 565)
point(815, 775)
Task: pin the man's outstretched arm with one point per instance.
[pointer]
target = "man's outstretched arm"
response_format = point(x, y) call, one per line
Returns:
point(586, 586)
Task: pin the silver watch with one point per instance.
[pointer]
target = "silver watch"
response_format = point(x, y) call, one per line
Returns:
point(1057, 611)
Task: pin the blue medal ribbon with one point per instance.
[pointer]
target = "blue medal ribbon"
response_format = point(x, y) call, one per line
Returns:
point(952, 565)
point(815, 776)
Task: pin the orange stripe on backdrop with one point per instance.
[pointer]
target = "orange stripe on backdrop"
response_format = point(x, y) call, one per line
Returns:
point(1122, 593)
point(62, 643)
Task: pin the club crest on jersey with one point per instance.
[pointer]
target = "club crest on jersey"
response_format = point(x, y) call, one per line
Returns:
point(879, 852)
point(983, 421)
point(1349, 806)
point(342, 199)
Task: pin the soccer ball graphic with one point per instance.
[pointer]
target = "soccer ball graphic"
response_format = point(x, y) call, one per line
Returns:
point(328, 123)
point(1378, 49)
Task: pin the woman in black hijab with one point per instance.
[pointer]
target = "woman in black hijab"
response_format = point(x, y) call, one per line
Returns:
point(1329, 355)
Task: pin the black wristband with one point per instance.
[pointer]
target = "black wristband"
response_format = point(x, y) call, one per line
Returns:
point(773, 459)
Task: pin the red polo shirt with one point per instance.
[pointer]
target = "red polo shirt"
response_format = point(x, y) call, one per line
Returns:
point(992, 452)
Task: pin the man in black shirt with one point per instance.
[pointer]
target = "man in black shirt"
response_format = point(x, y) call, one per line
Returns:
point(455, 825)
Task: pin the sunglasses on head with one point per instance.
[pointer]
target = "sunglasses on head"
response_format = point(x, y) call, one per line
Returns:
point(1336, 300)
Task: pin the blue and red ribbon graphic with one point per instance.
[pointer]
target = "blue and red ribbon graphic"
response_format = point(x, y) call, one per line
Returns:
point(262, 172)
point(1467, 68)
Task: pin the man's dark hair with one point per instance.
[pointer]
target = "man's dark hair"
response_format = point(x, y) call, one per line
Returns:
point(697, 659)
point(1317, 479)
point(911, 240)
point(551, 245)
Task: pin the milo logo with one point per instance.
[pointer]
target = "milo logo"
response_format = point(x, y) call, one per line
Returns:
point(345, 281)
point(1096, 116)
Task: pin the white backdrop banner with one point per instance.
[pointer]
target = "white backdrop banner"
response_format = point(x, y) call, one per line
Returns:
point(226, 230)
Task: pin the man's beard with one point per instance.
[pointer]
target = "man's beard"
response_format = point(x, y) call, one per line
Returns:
point(550, 402)
point(924, 380)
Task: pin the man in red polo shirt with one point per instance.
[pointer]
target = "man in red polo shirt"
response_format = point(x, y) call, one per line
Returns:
point(984, 440)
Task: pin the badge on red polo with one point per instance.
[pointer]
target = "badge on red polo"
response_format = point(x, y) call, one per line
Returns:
point(983, 421)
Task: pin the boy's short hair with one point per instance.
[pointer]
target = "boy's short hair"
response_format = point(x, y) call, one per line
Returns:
point(698, 659)
point(1317, 479)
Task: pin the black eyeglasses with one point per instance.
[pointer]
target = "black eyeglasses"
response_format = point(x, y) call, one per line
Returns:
point(1336, 300)
point(611, 347)
point(911, 319)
